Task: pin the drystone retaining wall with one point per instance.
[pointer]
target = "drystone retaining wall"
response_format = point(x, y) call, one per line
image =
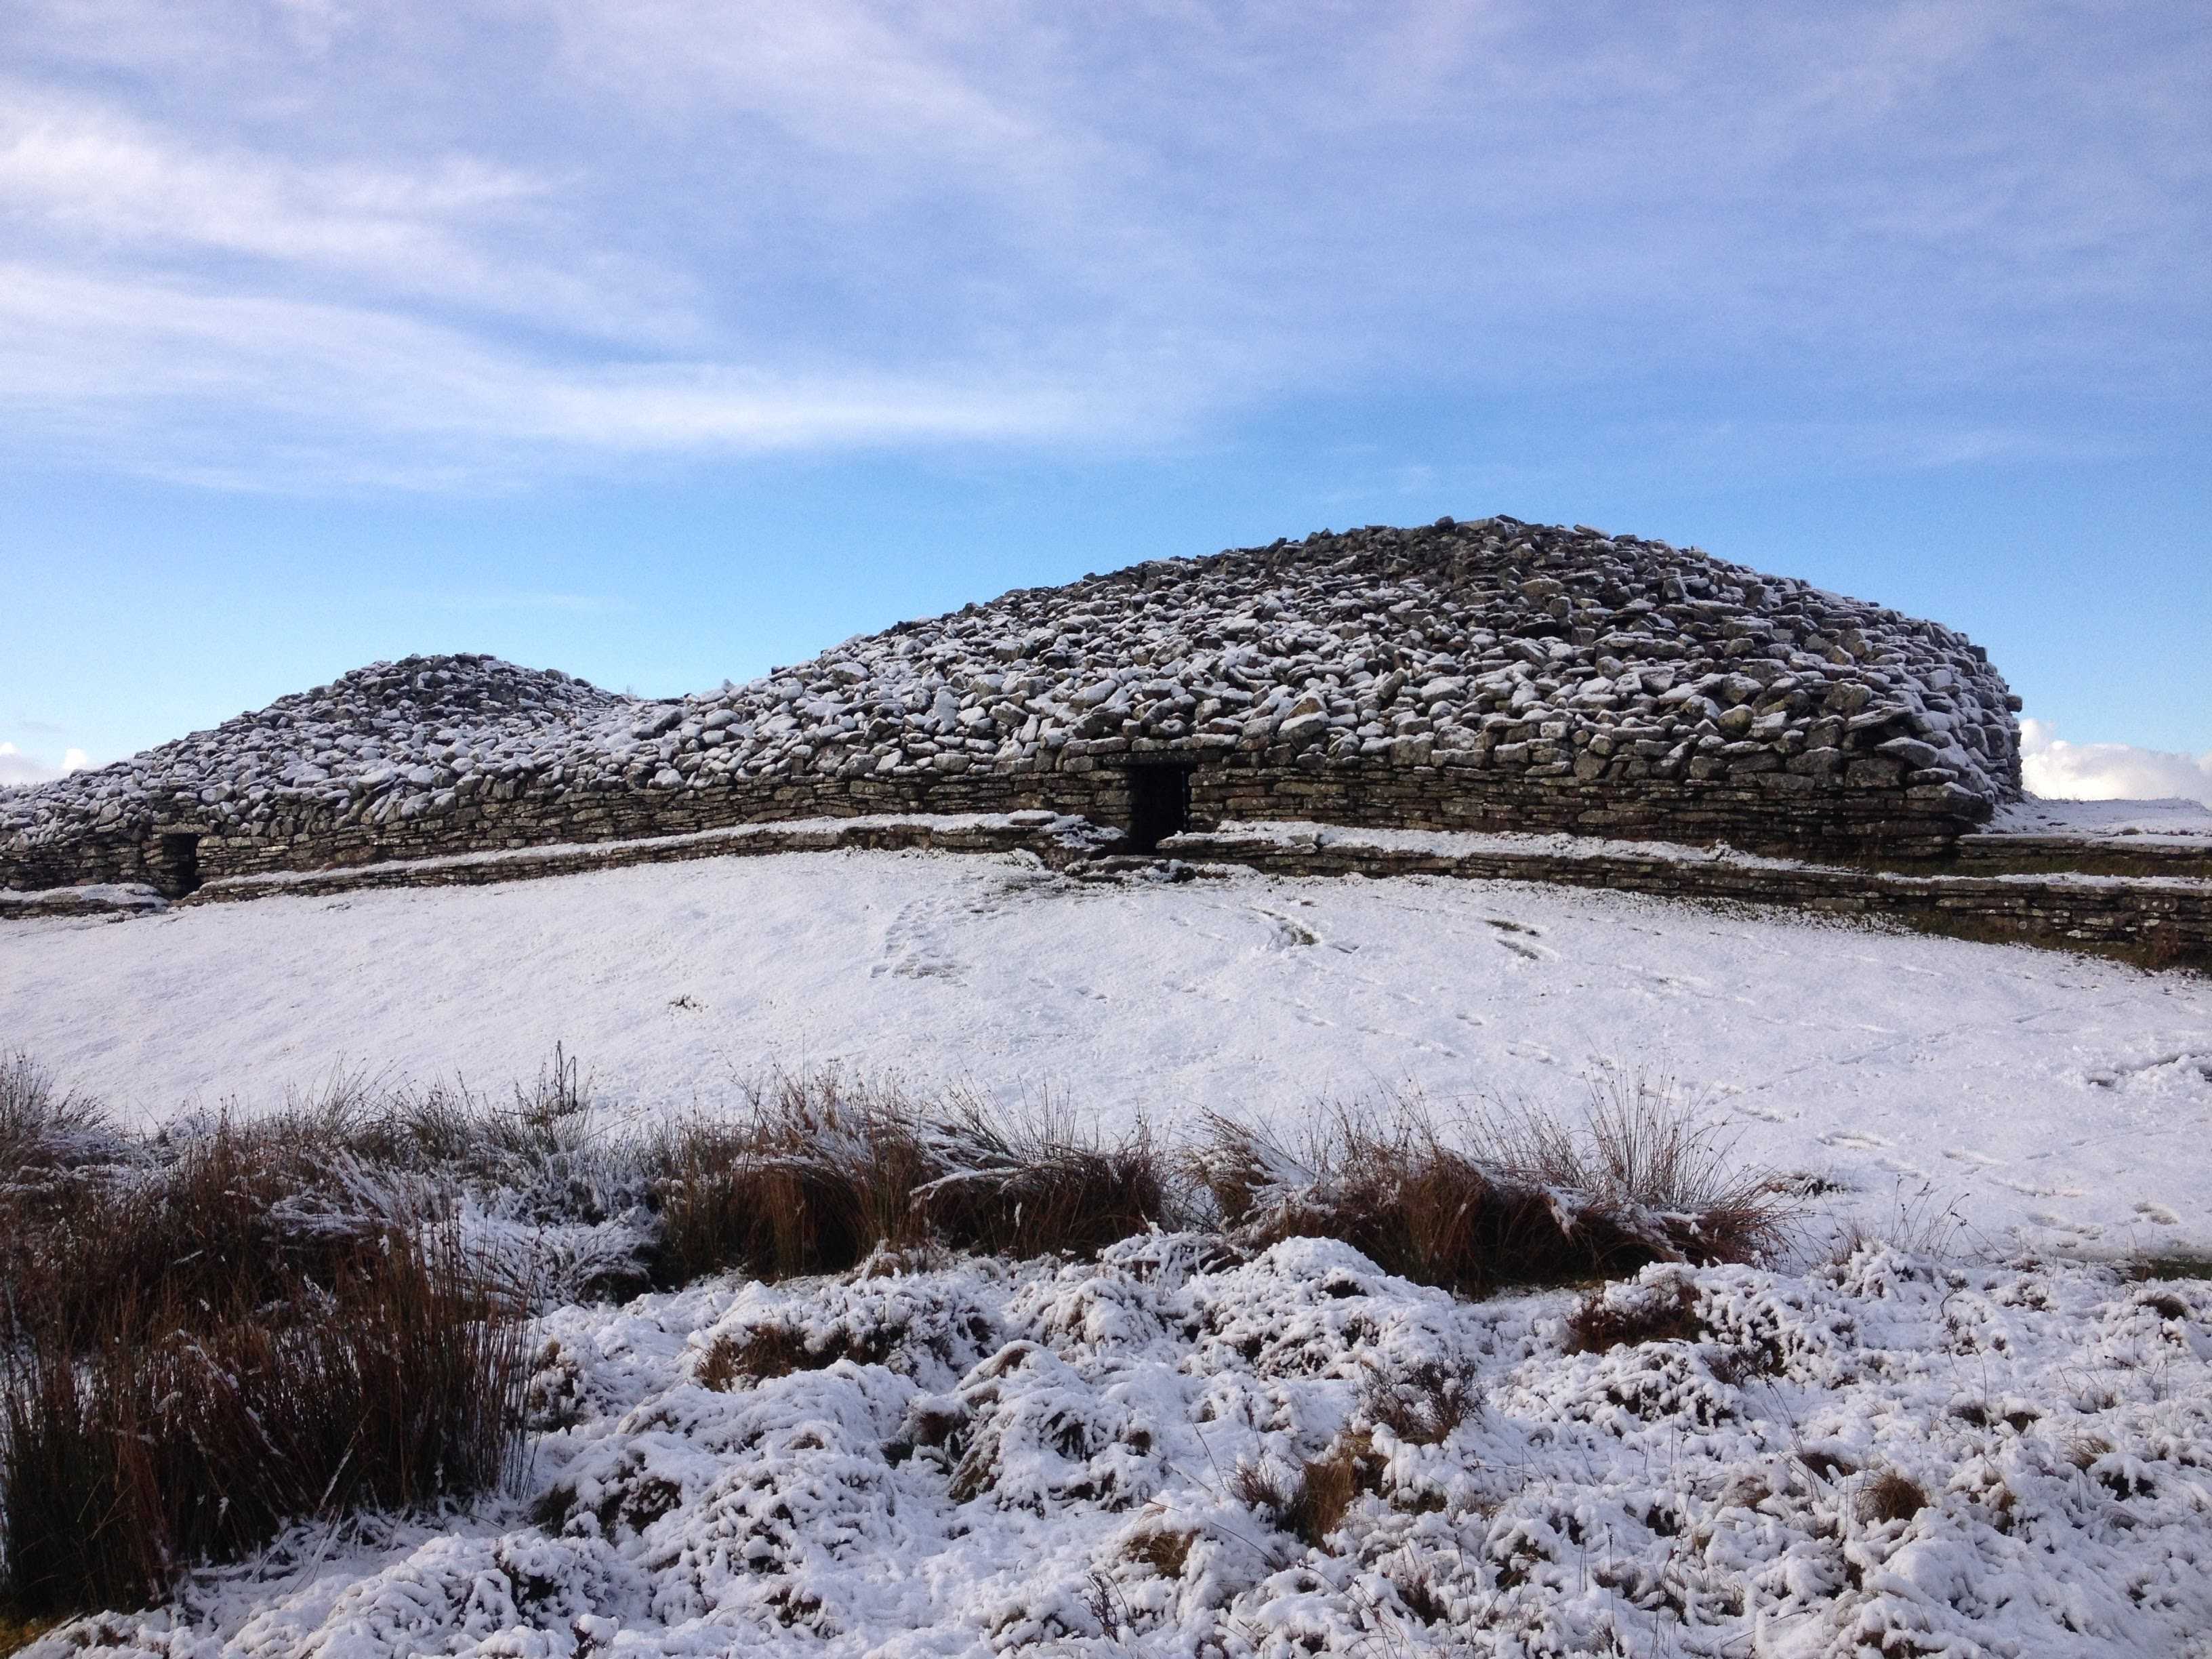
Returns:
point(1781, 811)
point(2161, 921)
point(2164, 921)
point(2015, 854)
point(1056, 839)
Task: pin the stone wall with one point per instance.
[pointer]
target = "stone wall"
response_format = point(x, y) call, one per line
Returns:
point(1777, 812)
point(2157, 920)
point(2161, 921)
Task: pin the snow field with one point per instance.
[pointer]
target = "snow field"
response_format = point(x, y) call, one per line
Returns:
point(2055, 1101)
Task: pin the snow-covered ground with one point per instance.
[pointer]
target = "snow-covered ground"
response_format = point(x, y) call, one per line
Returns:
point(1886, 1456)
point(2056, 1101)
point(2172, 819)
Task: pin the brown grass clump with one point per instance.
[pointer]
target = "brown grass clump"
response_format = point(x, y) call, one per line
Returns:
point(1396, 1192)
point(1602, 1321)
point(1312, 1504)
point(1422, 1407)
point(815, 1179)
point(231, 1212)
point(1036, 1188)
point(1534, 1201)
point(1165, 1550)
point(1648, 1159)
point(825, 1174)
point(175, 1430)
point(772, 1350)
point(1890, 1496)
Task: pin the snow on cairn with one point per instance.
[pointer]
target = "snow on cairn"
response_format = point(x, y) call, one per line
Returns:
point(1507, 648)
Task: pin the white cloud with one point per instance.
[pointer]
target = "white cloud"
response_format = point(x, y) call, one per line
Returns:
point(694, 227)
point(2058, 770)
point(18, 768)
point(156, 365)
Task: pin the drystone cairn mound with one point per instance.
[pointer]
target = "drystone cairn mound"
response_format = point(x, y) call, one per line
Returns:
point(386, 743)
point(1489, 675)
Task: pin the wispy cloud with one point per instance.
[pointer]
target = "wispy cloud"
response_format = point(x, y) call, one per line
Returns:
point(256, 240)
point(18, 768)
point(2058, 770)
point(156, 370)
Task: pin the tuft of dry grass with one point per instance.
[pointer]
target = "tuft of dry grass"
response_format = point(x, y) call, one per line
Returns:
point(221, 1213)
point(1393, 1190)
point(44, 1127)
point(1919, 1224)
point(1423, 1407)
point(1890, 1496)
point(817, 1177)
point(1601, 1321)
point(773, 1350)
point(1312, 1504)
point(1038, 1187)
point(826, 1174)
point(1165, 1550)
point(1531, 1199)
point(176, 1431)
point(1646, 1158)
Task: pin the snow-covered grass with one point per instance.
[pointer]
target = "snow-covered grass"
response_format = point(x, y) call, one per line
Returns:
point(1924, 1439)
point(2053, 1100)
point(231, 1324)
point(1170, 1451)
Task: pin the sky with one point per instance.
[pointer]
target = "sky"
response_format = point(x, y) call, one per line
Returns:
point(666, 341)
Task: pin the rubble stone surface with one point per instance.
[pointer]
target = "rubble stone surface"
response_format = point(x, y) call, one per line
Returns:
point(1489, 675)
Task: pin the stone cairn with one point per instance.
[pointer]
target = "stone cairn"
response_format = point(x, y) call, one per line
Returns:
point(1490, 674)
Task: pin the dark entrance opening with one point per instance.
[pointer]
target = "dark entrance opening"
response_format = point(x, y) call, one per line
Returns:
point(1159, 805)
point(177, 871)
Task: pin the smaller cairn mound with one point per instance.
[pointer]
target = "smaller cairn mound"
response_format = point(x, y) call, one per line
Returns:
point(405, 732)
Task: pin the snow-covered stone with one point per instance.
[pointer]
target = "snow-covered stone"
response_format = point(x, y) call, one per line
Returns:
point(1481, 675)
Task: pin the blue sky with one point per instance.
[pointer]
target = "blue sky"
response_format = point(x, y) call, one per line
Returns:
point(665, 341)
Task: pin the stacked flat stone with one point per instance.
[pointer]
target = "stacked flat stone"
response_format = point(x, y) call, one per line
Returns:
point(1495, 646)
point(1533, 664)
point(391, 741)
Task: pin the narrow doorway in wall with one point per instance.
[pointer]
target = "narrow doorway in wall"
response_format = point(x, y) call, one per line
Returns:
point(1159, 805)
point(180, 865)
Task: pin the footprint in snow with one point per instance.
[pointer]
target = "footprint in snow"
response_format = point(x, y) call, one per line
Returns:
point(1965, 1155)
point(912, 947)
point(2059, 1223)
point(2157, 1212)
point(1288, 935)
point(2031, 1189)
point(1858, 1141)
